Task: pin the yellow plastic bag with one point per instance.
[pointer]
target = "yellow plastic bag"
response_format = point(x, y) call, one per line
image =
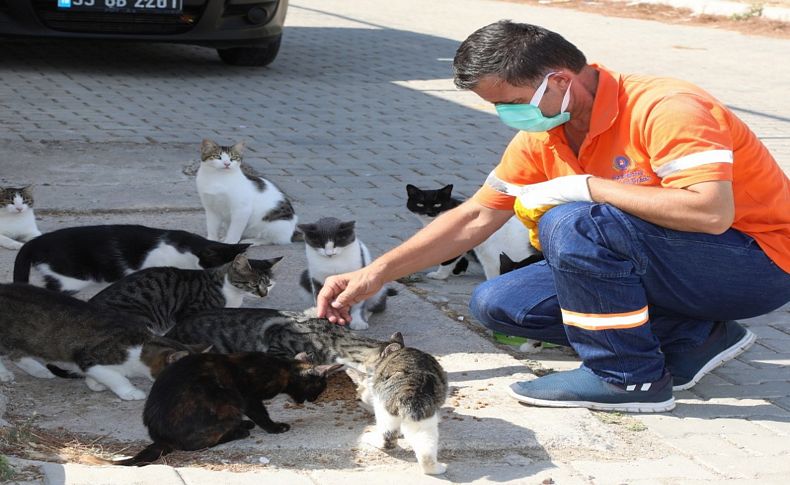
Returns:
point(530, 216)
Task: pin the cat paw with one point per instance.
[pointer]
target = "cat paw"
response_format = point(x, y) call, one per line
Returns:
point(436, 275)
point(94, 385)
point(278, 428)
point(531, 347)
point(13, 245)
point(132, 394)
point(434, 468)
point(374, 439)
point(6, 376)
point(247, 424)
point(358, 324)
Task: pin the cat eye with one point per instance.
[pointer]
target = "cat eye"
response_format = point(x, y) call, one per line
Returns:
point(437, 205)
point(420, 204)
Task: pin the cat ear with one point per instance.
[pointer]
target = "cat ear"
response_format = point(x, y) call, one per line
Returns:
point(393, 347)
point(412, 191)
point(208, 145)
point(305, 228)
point(272, 261)
point(241, 263)
point(325, 370)
point(174, 356)
point(200, 348)
point(238, 147)
point(356, 376)
point(347, 225)
point(447, 190)
point(27, 190)
point(302, 357)
point(397, 337)
point(504, 259)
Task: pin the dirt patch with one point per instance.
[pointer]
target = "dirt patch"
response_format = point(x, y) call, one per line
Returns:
point(746, 24)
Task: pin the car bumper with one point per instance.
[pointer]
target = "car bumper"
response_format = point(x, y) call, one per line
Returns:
point(215, 23)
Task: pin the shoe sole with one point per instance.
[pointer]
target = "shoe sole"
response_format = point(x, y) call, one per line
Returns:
point(628, 407)
point(727, 354)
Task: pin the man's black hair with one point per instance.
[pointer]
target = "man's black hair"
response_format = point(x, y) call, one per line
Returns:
point(517, 53)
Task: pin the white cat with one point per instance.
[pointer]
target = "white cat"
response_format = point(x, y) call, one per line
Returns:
point(17, 220)
point(241, 205)
point(332, 248)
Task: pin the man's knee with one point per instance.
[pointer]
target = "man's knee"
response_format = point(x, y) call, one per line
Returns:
point(562, 223)
point(484, 303)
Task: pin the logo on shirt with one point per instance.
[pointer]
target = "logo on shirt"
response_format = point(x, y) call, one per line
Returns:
point(621, 163)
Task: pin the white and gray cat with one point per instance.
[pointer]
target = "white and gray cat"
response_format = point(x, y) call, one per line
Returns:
point(75, 258)
point(511, 239)
point(332, 247)
point(104, 346)
point(240, 204)
point(405, 388)
point(17, 220)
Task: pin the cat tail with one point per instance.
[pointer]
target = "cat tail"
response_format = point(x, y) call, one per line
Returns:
point(380, 302)
point(22, 265)
point(148, 455)
point(62, 373)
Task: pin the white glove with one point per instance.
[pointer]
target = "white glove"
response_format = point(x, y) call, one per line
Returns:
point(570, 188)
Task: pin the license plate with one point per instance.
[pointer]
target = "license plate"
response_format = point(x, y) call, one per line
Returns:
point(122, 6)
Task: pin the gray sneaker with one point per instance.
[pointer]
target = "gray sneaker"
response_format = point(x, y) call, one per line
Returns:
point(726, 341)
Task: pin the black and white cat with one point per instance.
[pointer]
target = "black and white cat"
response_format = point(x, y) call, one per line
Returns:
point(75, 258)
point(17, 220)
point(240, 204)
point(332, 247)
point(40, 327)
point(511, 239)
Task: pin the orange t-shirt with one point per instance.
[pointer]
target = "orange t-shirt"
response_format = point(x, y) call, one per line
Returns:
point(663, 132)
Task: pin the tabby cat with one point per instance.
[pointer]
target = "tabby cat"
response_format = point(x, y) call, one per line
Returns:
point(201, 400)
point(75, 258)
point(17, 220)
point(406, 388)
point(512, 238)
point(278, 333)
point(332, 247)
point(240, 204)
point(164, 296)
point(38, 327)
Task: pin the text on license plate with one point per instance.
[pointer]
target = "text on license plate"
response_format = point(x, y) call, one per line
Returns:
point(164, 6)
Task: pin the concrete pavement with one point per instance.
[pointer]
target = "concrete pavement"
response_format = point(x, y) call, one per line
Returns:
point(359, 103)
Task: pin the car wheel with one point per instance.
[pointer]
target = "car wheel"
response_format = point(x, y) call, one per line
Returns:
point(251, 56)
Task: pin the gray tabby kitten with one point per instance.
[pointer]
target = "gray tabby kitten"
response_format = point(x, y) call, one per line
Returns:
point(17, 220)
point(405, 387)
point(281, 333)
point(163, 296)
point(39, 327)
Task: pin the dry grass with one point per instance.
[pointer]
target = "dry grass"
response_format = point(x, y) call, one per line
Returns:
point(746, 24)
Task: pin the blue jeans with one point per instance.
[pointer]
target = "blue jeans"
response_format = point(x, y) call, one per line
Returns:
point(602, 263)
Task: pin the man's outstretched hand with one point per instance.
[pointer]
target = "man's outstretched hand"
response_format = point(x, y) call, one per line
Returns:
point(341, 292)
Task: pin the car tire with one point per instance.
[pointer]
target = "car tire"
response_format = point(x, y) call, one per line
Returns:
point(251, 56)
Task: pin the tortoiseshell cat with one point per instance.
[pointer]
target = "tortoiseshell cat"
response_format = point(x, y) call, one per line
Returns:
point(201, 400)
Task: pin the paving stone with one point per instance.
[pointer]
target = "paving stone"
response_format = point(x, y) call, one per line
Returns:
point(73, 474)
point(623, 472)
point(753, 467)
point(199, 476)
